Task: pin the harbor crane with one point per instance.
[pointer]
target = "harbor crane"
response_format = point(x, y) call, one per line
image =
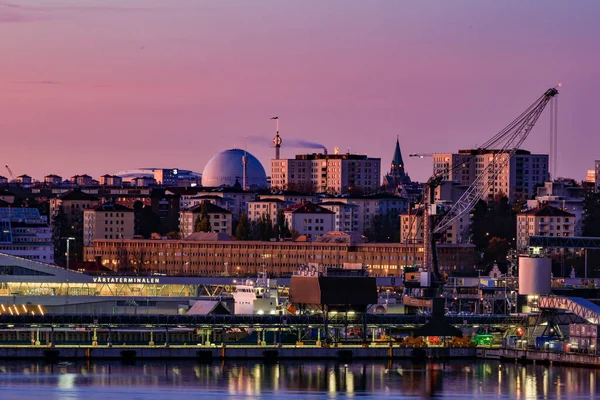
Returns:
point(12, 176)
point(500, 148)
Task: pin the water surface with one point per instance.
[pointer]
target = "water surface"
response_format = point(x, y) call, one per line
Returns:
point(293, 380)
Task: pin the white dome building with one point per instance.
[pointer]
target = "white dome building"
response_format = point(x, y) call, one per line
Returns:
point(226, 168)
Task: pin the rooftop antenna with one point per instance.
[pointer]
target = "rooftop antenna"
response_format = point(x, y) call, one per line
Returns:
point(277, 138)
point(244, 167)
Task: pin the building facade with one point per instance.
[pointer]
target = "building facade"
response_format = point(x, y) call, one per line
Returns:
point(53, 180)
point(247, 258)
point(107, 221)
point(564, 196)
point(111, 180)
point(82, 180)
point(543, 221)
point(24, 233)
point(327, 173)
point(219, 218)
point(346, 215)
point(309, 219)
point(268, 207)
point(517, 180)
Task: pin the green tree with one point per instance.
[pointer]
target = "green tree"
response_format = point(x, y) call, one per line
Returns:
point(242, 231)
point(197, 224)
point(265, 228)
point(146, 221)
point(282, 230)
point(204, 225)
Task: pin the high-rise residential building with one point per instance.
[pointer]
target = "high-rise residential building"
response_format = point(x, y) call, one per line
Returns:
point(107, 221)
point(24, 233)
point(543, 221)
point(518, 179)
point(327, 173)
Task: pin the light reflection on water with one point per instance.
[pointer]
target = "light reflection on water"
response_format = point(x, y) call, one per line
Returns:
point(307, 380)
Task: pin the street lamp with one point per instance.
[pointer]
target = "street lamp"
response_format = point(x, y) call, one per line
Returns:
point(68, 239)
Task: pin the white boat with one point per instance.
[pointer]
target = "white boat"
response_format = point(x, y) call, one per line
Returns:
point(258, 297)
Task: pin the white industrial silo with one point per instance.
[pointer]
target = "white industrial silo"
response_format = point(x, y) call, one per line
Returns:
point(535, 275)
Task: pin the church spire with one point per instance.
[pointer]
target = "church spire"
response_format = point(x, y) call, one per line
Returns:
point(397, 160)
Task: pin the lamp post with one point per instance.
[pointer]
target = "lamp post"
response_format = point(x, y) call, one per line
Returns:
point(68, 239)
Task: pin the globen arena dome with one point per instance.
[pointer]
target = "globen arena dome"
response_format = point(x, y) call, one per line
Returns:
point(225, 168)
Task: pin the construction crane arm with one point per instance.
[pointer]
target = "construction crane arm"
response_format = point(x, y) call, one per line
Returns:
point(504, 146)
point(12, 176)
point(421, 155)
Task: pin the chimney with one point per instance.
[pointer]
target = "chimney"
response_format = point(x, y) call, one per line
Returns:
point(325, 150)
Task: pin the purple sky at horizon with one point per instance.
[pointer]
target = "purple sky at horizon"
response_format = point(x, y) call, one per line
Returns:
point(91, 86)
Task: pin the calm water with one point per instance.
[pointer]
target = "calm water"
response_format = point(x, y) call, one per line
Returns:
point(307, 380)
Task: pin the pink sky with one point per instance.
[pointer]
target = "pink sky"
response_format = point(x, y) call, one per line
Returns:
point(96, 87)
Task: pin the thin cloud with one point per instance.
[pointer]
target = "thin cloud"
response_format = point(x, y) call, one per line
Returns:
point(69, 8)
point(45, 82)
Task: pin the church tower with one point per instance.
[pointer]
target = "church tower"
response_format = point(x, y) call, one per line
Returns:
point(397, 175)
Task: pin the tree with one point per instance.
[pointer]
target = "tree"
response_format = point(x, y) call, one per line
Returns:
point(60, 229)
point(242, 230)
point(197, 223)
point(282, 229)
point(148, 222)
point(204, 225)
point(591, 220)
point(265, 228)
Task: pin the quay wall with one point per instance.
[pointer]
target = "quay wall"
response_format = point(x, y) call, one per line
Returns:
point(208, 353)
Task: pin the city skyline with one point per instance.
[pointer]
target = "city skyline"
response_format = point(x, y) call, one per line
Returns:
point(98, 87)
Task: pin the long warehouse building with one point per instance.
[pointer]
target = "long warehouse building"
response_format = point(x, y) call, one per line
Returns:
point(243, 258)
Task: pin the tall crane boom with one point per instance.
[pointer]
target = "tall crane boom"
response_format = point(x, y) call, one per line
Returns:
point(502, 147)
point(12, 176)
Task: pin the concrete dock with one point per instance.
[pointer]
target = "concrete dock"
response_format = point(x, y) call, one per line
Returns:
point(210, 353)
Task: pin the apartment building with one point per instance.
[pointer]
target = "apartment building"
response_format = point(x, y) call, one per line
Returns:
point(108, 221)
point(517, 180)
point(268, 207)
point(309, 219)
point(346, 215)
point(220, 219)
point(543, 221)
point(327, 173)
point(111, 180)
point(564, 196)
point(53, 180)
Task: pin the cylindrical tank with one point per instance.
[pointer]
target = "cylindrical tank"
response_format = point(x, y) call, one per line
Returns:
point(535, 275)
